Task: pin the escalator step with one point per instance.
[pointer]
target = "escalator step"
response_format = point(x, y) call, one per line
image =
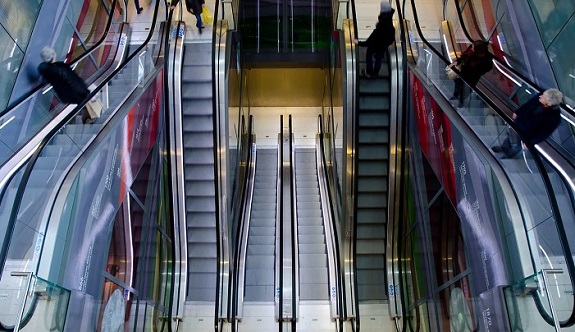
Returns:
point(374, 120)
point(200, 204)
point(263, 222)
point(373, 152)
point(201, 250)
point(370, 246)
point(261, 240)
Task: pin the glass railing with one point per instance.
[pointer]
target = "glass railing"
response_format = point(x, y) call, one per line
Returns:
point(521, 297)
point(338, 122)
point(509, 84)
point(35, 304)
point(28, 197)
point(543, 196)
point(78, 31)
point(24, 120)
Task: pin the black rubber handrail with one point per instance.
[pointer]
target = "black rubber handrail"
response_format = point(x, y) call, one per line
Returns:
point(10, 227)
point(503, 63)
point(84, 55)
point(29, 166)
point(332, 183)
point(570, 265)
point(281, 225)
point(356, 319)
point(558, 147)
point(293, 223)
point(167, 117)
point(400, 165)
point(568, 157)
point(243, 206)
point(540, 306)
point(216, 43)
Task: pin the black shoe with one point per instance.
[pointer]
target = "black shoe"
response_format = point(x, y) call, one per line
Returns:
point(364, 74)
point(496, 148)
point(140, 10)
point(461, 104)
point(200, 30)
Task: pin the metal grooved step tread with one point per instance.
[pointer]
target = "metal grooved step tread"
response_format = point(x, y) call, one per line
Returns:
point(313, 283)
point(372, 183)
point(260, 258)
point(199, 172)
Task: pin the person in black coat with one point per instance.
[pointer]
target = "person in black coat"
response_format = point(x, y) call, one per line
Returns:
point(195, 8)
point(536, 120)
point(68, 86)
point(474, 63)
point(378, 41)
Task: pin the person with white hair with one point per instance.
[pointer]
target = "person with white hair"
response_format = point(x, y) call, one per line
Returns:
point(378, 41)
point(69, 87)
point(536, 120)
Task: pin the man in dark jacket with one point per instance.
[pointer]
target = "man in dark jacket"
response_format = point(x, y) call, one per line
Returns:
point(379, 40)
point(69, 87)
point(536, 120)
point(195, 8)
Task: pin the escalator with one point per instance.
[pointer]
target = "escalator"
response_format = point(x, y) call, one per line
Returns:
point(373, 113)
point(261, 245)
point(300, 285)
point(312, 251)
point(63, 196)
point(532, 193)
point(29, 117)
point(198, 136)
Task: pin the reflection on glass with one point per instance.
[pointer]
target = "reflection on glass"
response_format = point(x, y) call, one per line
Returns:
point(45, 308)
point(457, 310)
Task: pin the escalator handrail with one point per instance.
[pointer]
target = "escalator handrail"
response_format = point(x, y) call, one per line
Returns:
point(334, 223)
point(503, 64)
point(222, 247)
point(548, 318)
point(29, 161)
point(350, 193)
point(396, 218)
point(84, 55)
point(281, 223)
point(16, 169)
point(244, 215)
point(293, 214)
point(570, 265)
point(170, 189)
point(564, 108)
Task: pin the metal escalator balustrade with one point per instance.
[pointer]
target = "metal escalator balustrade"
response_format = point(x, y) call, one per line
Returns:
point(28, 197)
point(67, 144)
point(544, 218)
point(34, 114)
point(198, 134)
point(372, 183)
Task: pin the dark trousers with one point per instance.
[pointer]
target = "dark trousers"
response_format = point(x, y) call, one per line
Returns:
point(137, 4)
point(460, 90)
point(511, 145)
point(199, 23)
point(371, 54)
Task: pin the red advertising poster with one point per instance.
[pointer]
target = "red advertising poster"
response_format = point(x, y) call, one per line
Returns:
point(418, 95)
point(445, 145)
point(434, 135)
